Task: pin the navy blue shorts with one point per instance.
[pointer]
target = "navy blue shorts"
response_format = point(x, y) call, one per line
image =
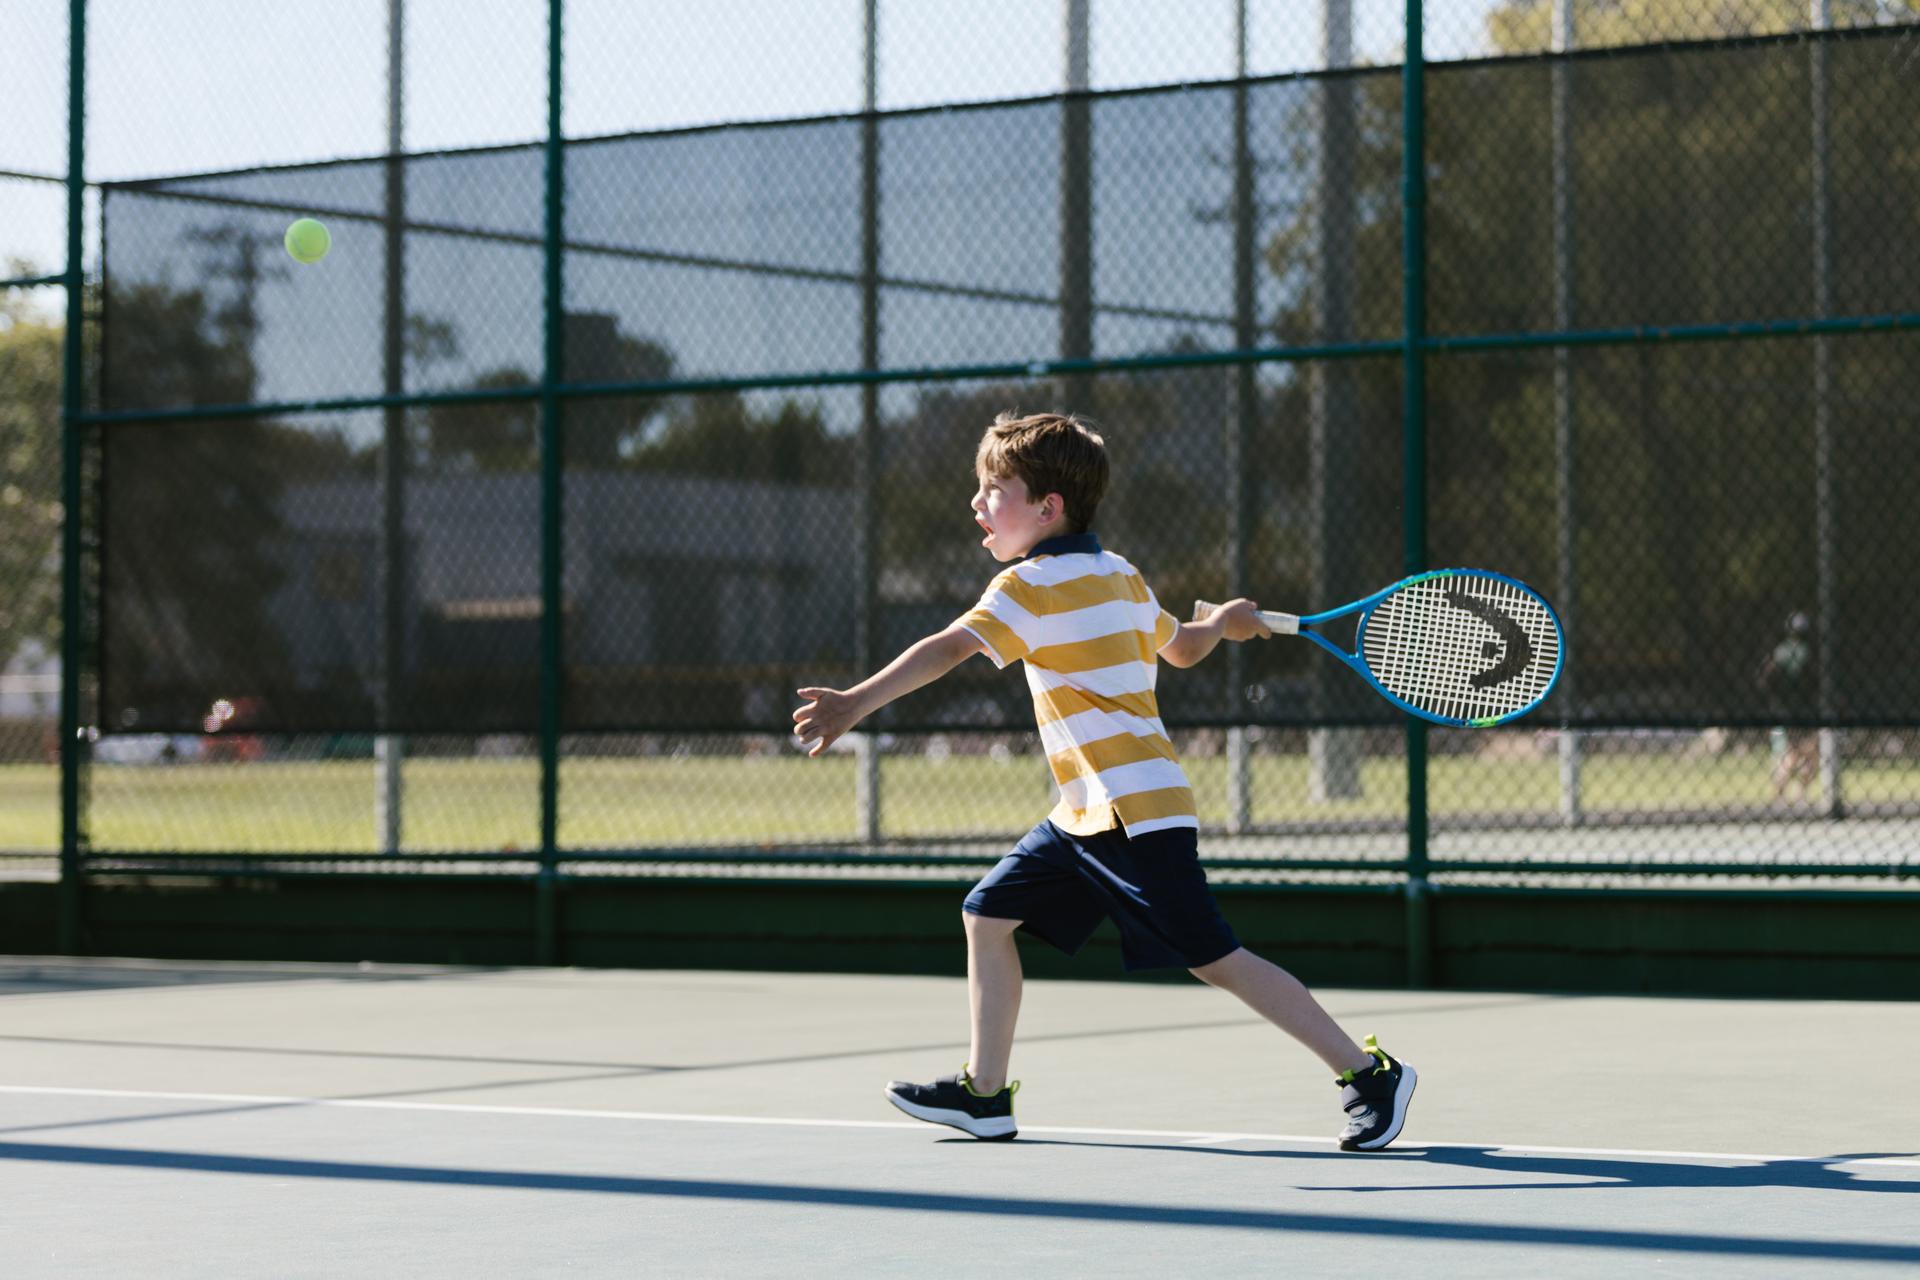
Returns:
point(1060, 886)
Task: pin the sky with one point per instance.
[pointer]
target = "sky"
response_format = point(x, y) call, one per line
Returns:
point(189, 86)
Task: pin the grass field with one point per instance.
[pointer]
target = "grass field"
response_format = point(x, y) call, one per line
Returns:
point(492, 804)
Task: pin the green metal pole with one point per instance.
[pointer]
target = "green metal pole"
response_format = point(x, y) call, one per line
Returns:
point(869, 806)
point(1414, 460)
point(546, 906)
point(72, 401)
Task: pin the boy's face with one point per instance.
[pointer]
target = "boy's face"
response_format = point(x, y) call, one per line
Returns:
point(1015, 522)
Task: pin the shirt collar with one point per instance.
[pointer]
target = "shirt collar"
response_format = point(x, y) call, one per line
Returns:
point(1065, 544)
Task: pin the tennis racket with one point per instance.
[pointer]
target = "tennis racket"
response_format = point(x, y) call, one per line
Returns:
point(1454, 646)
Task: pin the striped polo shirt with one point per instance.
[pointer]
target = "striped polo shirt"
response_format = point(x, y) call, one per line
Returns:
point(1088, 628)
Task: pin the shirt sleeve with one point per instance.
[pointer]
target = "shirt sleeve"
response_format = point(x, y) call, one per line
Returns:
point(1164, 630)
point(999, 624)
point(1165, 626)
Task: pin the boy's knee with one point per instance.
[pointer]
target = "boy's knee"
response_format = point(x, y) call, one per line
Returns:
point(979, 926)
point(1217, 973)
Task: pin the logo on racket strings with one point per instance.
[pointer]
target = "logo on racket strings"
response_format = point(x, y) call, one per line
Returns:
point(1513, 637)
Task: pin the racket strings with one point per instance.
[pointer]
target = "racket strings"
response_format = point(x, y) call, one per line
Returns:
point(1426, 650)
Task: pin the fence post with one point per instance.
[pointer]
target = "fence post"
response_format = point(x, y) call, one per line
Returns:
point(1333, 755)
point(1831, 798)
point(867, 802)
point(72, 401)
point(1246, 413)
point(389, 750)
point(552, 523)
point(1076, 207)
point(1565, 498)
point(1419, 934)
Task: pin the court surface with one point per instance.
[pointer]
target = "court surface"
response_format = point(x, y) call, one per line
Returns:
point(169, 1119)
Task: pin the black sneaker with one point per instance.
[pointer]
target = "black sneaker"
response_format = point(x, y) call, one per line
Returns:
point(952, 1101)
point(1375, 1101)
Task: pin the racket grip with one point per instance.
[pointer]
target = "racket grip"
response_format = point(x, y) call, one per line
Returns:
point(1281, 624)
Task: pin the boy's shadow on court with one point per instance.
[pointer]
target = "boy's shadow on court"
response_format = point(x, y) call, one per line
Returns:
point(1823, 1174)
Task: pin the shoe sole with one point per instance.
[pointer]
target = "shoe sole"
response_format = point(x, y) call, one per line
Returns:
point(1402, 1095)
point(990, 1129)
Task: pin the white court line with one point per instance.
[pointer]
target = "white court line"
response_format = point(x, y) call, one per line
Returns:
point(1188, 1137)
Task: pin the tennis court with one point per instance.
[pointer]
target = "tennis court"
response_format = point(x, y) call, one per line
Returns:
point(307, 1120)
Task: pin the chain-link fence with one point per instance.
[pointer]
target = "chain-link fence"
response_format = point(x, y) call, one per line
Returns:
point(642, 382)
point(33, 215)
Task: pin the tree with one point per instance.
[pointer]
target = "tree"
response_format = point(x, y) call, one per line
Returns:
point(602, 431)
point(502, 435)
point(30, 382)
point(722, 435)
point(1523, 27)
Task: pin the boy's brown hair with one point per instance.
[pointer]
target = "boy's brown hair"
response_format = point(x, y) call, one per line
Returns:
point(1050, 453)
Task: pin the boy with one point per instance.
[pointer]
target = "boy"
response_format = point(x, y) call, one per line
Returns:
point(1122, 840)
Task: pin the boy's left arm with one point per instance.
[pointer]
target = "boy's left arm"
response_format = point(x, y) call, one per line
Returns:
point(1192, 641)
point(829, 713)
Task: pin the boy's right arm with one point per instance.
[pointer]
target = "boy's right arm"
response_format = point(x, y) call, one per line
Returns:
point(1192, 641)
point(829, 713)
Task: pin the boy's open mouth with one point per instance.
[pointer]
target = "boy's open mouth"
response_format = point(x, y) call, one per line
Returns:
point(989, 530)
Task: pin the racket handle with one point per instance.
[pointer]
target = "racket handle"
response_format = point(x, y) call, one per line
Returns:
point(1281, 624)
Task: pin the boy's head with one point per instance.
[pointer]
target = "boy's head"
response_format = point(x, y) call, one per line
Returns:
point(1040, 475)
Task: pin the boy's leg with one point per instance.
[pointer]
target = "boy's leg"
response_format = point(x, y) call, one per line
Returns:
point(1281, 999)
point(978, 1100)
point(1374, 1091)
point(1028, 888)
point(993, 988)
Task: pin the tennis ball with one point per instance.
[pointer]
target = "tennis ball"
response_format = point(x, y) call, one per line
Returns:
point(308, 241)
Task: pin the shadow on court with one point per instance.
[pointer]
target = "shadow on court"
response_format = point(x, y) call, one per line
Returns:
point(1823, 1174)
point(1025, 1207)
point(28, 977)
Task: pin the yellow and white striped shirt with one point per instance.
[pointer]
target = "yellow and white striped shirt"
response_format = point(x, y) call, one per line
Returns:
point(1088, 628)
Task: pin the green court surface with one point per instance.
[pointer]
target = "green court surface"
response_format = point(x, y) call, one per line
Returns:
point(306, 1120)
point(480, 804)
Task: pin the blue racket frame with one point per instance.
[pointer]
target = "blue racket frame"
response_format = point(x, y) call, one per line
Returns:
point(1290, 624)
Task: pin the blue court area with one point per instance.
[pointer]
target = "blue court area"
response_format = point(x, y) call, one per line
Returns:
point(178, 1119)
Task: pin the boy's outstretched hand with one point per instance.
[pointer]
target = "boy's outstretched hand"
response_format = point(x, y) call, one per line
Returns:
point(827, 714)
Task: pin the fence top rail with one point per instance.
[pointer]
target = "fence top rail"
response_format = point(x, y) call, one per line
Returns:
point(1896, 322)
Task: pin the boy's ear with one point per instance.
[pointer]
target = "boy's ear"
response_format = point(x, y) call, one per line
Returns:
point(1052, 507)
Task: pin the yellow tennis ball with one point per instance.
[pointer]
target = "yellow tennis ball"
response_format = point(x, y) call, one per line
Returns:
point(308, 240)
